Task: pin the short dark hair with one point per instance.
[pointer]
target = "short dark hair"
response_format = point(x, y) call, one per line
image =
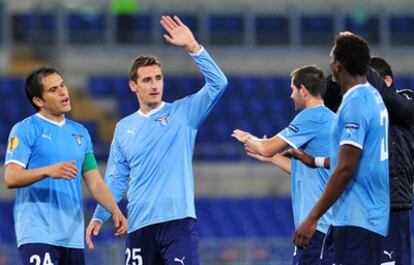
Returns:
point(310, 76)
point(33, 83)
point(352, 51)
point(381, 66)
point(144, 60)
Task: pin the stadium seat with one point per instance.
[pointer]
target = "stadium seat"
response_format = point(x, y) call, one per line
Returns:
point(86, 28)
point(134, 29)
point(271, 30)
point(367, 27)
point(402, 30)
point(34, 28)
point(226, 29)
point(100, 86)
point(317, 29)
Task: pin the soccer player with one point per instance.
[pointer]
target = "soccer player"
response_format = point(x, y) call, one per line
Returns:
point(151, 157)
point(47, 157)
point(396, 246)
point(309, 130)
point(358, 189)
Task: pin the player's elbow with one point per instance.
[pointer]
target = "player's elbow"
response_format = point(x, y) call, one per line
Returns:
point(9, 180)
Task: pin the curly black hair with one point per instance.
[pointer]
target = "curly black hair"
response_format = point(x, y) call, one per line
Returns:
point(352, 51)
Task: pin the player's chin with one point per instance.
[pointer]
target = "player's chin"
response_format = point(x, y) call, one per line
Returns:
point(66, 108)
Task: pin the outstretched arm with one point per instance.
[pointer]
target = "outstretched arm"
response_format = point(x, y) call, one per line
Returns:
point(265, 147)
point(307, 159)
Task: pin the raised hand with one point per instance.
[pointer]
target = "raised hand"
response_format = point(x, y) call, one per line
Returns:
point(241, 136)
point(63, 170)
point(179, 34)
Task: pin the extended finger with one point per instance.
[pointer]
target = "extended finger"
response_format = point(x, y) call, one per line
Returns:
point(166, 25)
point(172, 22)
point(178, 21)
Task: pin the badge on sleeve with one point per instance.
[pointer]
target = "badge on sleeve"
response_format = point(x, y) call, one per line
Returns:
point(13, 143)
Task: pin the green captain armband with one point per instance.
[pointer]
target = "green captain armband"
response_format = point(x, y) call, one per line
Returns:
point(89, 163)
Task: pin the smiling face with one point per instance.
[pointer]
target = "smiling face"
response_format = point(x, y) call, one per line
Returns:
point(148, 86)
point(55, 101)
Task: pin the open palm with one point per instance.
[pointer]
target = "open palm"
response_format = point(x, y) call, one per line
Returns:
point(178, 33)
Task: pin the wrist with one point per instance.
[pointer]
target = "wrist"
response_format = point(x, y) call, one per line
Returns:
point(194, 47)
point(319, 161)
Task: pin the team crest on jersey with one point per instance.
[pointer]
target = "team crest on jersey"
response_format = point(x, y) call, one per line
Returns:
point(13, 143)
point(78, 138)
point(163, 120)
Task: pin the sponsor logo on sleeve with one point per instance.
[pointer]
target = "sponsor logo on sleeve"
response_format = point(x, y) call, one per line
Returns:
point(293, 128)
point(352, 125)
point(13, 143)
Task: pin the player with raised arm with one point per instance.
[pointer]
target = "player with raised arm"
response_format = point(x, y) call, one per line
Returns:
point(151, 158)
point(47, 157)
point(309, 130)
point(358, 189)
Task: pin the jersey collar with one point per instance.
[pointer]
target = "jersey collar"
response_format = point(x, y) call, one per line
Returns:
point(146, 115)
point(60, 124)
point(353, 88)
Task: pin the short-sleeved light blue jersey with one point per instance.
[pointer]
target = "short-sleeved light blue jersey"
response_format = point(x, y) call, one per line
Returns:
point(49, 211)
point(362, 121)
point(151, 154)
point(310, 131)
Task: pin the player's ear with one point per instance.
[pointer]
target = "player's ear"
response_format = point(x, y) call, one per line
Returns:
point(388, 80)
point(133, 86)
point(303, 90)
point(38, 101)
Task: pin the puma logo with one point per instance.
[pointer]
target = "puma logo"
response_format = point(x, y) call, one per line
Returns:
point(389, 254)
point(181, 261)
point(49, 137)
point(131, 132)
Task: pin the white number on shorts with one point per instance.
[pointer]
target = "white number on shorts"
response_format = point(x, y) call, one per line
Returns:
point(37, 260)
point(136, 257)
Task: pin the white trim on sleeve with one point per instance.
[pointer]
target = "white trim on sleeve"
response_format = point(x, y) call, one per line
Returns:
point(15, 162)
point(287, 141)
point(352, 143)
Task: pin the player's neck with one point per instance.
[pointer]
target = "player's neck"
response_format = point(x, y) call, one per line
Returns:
point(312, 102)
point(52, 117)
point(145, 108)
point(352, 81)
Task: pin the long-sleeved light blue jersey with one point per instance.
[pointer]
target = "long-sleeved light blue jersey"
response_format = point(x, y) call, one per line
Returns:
point(151, 154)
point(310, 131)
point(362, 121)
point(49, 211)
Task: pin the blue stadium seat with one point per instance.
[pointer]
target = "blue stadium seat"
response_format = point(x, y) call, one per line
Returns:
point(226, 29)
point(271, 30)
point(86, 28)
point(100, 86)
point(317, 29)
point(39, 28)
point(367, 27)
point(402, 29)
point(136, 28)
point(93, 130)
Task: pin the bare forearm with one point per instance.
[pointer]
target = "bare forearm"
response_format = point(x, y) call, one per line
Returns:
point(24, 177)
point(283, 163)
point(103, 195)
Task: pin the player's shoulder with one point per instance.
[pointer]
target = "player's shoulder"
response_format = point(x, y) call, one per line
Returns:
point(28, 123)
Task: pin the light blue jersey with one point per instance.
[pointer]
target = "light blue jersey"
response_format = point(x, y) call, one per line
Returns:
point(151, 154)
point(310, 131)
point(362, 121)
point(49, 211)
